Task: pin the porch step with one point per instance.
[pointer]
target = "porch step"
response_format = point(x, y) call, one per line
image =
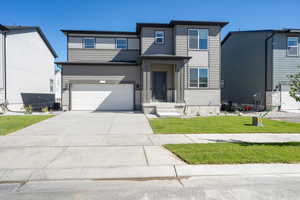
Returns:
point(168, 114)
point(167, 111)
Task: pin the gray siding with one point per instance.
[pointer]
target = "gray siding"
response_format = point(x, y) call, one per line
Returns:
point(195, 97)
point(88, 72)
point(102, 55)
point(105, 49)
point(243, 67)
point(181, 49)
point(283, 65)
point(149, 47)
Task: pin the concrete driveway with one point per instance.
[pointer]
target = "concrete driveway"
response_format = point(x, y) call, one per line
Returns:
point(85, 123)
point(86, 145)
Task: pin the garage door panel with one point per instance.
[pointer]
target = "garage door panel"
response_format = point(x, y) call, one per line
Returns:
point(288, 102)
point(102, 97)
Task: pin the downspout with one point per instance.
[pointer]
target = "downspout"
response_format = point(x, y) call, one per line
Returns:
point(266, 66)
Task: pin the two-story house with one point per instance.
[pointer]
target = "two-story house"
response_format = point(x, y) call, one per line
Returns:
point(256, 66)
point(27, 70)
point(159, 67)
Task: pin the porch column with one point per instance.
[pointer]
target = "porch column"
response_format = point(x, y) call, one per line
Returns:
point(146, 82)
point(179, 82)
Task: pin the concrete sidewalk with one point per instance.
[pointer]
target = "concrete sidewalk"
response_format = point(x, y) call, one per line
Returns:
point(148, 172)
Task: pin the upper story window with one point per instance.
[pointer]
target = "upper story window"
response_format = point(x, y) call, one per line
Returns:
point(89, 43)
point(198, 77)
point(121, 43)
point(292, 46)
point(159, 37)
point(198, 39)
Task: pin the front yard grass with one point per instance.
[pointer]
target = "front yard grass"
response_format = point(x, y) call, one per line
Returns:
point(9, 124)
point(220, 124)
point(237, 153)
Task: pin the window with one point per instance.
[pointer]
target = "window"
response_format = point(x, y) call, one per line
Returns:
point(198, 39)
point(292, 46)
point(51, 85)
point(159, 37)
point(198, 77)
point(121, 43)
point(89, 43)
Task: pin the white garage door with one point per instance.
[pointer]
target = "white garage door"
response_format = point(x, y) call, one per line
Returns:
point(288, 102)
point(102, 97)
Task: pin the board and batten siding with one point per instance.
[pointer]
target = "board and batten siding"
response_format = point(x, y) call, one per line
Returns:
point(181, 49)
point(243, 67)
point(104, 51)
point(283, 65)
point(148, 45)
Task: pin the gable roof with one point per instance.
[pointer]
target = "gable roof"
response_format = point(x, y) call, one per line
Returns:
point(36, 28)
point(263, 30)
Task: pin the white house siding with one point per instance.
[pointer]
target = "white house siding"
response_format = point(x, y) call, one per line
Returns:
point(30, 66)
point(1, 67)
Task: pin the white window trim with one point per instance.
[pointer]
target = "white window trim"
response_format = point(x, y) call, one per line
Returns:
point(163, 37)
point(116, 46)
point(287, 51)
point(198, 39)
point(198, 87)
point(83, 42)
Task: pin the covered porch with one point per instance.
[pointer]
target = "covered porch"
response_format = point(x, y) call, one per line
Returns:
point(163, 81)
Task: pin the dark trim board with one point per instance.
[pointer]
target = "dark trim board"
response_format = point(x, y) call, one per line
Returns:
point(139, 26)
point(65, 31)
point(97, 63)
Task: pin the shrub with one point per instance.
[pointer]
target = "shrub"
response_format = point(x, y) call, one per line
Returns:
point(28, 109)
point(45, 109)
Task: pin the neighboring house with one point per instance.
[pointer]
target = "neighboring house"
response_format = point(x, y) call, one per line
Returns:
point(171, 66)
point(256, 66)
point(26, 67)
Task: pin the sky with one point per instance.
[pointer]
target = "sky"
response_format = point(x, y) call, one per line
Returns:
point(122, 15)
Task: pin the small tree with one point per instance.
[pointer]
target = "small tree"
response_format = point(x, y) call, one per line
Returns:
point(295, 86)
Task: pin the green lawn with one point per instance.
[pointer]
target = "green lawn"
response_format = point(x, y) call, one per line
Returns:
point(220, 124)
point(9, 124)
point(237, 153)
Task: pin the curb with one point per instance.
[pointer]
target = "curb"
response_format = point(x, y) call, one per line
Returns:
point(147, 172)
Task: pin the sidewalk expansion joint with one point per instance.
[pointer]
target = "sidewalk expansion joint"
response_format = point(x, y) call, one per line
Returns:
point(145, 154)
point(177, 177)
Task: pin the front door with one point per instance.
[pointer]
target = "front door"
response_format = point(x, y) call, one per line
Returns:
point(159, 86)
